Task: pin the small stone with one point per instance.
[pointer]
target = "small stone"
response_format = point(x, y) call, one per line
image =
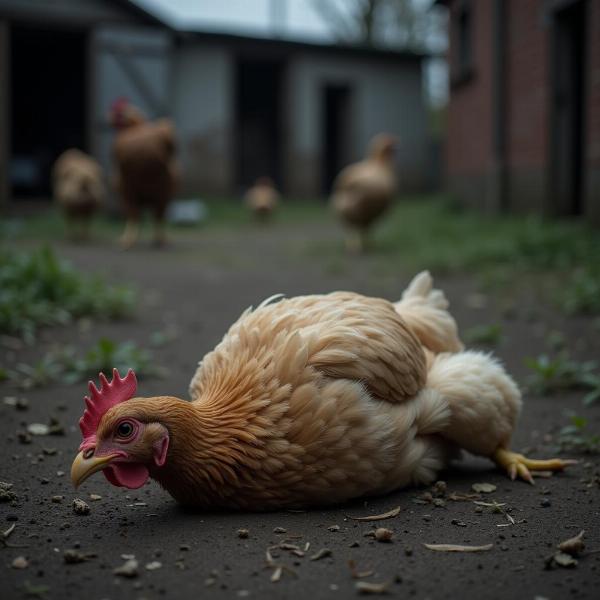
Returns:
point(384, 535)
point(279, 530)
point(243, 533)
point(128, 569)
point(80, 507)
point(24, 437)
point(57, 499)
point(95, 497)
point(153, 566)
point(73, 557)
point(38, 429)
point(458, 523)
point(20, 563)
point(333, 528)
point(545, 502)
point(483, 488)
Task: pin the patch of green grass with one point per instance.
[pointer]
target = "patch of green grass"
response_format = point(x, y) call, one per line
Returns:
point(484, 335)
point(37, 289)
point(432, 233)
point(562, 373)
point(69, 366)
point(582, 294)
point(577, 437)
point(426, 232)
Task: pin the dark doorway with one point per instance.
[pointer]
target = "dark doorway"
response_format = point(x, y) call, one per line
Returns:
point(568, 109)
point(336, 132)
point(48, 105)
point(258, 111)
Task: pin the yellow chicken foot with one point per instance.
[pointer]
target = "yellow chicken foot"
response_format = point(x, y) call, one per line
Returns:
point(517, 464)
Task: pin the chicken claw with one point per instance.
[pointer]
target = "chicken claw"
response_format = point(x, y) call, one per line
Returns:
point(517, 464)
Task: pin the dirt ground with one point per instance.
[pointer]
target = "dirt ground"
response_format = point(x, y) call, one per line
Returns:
point(197, 287)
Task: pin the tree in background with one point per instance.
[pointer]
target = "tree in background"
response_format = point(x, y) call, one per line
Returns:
point(407, 24)
point(396, 24)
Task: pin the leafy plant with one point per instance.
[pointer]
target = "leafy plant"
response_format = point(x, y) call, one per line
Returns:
point(67, 366)
point(581, 295)
point(37, 289)
point(488, 335)
point(576, 436)
point(561, 373)
point(44, 372)
point(104, 357)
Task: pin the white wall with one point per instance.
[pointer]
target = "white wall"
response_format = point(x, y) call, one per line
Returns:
point(204, 113)
point(386, 96)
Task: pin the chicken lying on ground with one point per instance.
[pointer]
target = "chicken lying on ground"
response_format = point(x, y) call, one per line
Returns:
point(312, 401)
point(362, 192)
point(78, 188)
point(262, 198)
point(147, 172)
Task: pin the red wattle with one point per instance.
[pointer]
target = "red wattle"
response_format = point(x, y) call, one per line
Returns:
point(129, 475)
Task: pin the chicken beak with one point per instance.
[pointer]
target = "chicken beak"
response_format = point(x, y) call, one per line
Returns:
point(83, 467)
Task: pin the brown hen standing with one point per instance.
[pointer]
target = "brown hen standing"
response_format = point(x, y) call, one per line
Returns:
point(362, 192)
point(78, 188)
point(312, 401)
point(147, 172)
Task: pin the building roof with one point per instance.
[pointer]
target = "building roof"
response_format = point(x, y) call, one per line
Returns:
point(280, 48)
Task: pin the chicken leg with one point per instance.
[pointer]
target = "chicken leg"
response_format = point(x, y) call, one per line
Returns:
point(517, 464)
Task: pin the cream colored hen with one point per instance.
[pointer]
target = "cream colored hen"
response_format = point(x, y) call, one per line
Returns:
point(78, 188)
point(312, 400)
point(362, 192)
point(262, 198)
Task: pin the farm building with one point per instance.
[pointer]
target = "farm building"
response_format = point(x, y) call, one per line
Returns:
point(524, 112)
point(243, 106)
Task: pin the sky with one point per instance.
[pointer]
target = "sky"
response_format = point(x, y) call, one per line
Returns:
point(288, 18)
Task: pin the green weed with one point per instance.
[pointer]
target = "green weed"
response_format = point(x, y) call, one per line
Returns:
point(69, 366)
point(561, 373)
point(581, 295)
point(577, 437)
point(37, 289)
point(484, 335)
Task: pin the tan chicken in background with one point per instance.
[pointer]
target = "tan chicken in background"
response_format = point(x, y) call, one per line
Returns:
point(78, 188)
point(146, 169)
point(363, 191)
point(312, 400)
point(262, 198)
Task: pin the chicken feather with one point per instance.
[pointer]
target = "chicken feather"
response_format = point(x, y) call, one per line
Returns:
point(318, 399)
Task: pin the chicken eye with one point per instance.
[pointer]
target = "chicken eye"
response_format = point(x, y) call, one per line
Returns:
point(125, 429)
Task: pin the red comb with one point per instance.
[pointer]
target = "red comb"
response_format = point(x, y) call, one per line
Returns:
point(119, 103)
point(100, 400)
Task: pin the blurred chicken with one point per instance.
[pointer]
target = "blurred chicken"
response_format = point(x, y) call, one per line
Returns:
point(311, 401)
point(262, 198)
point(78, 187)
point(147, 172)
point(362, 192)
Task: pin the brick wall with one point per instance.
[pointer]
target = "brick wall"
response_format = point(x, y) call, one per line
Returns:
point(469, 146)
point(527, 109)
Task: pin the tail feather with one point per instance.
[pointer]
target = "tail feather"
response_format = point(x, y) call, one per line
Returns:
point(483, 399)
point(425, 311)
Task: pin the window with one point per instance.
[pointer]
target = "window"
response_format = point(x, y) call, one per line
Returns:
point(462, 69)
